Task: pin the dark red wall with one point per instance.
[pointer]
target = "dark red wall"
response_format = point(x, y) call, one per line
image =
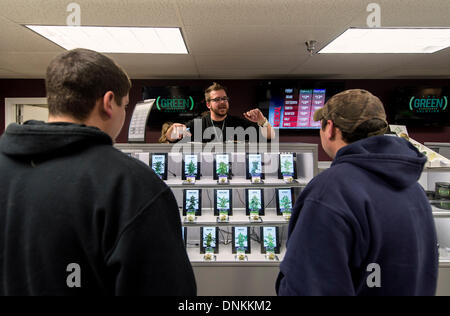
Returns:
point(18, 88)
point(243, 97)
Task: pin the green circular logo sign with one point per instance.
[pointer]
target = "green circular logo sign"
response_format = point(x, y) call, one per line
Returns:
point(430, 104)
point(175, 104)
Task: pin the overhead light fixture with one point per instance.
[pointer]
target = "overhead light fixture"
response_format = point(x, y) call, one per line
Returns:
point(138, 40)
point(389, 41)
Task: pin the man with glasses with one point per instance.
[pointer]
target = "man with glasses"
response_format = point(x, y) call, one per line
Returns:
point(217, 125)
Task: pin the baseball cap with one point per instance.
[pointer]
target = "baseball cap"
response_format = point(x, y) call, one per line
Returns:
point(351, 108)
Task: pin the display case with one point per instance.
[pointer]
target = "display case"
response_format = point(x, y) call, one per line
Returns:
point(441, 148)
point(436, 182)
point(250, 217)
point(225, 207)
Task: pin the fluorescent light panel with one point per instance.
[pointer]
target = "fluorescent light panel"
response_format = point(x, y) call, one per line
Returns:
point(139, 40)
point(389, 41)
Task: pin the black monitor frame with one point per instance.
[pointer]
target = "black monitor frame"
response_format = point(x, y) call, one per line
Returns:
point(216, 248)
point(247, 166)
point(183, 167)
point(277, 241)
point(247, 202)
point(216, 209)
point(294, 158)
point(166, 163)
point(197, 212)
point(184, 235)
point(278, 198)
point(215, 175)
point(233, 244)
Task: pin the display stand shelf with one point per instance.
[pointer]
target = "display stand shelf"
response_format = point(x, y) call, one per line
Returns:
point(237, 219)
point(225, 257)
point(236, 183)
point(440, 213)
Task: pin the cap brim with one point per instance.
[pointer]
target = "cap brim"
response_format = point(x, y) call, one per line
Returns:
point(318, 115)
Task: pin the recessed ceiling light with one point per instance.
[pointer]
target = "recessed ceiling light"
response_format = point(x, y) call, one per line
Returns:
point(139, 40)
point(389, 41)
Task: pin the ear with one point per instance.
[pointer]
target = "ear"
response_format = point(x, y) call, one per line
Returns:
point(107, 107)
point(208, 105)
point(330, 130)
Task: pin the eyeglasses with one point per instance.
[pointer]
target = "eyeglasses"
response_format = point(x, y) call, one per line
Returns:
point(218, 99)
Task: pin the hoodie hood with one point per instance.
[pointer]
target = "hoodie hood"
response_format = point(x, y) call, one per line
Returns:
point(36, 138)
point(392, 158)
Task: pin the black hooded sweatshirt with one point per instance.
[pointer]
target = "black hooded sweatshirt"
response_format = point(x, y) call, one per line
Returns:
point(79, 217)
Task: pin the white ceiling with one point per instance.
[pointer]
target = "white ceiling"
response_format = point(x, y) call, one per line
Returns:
point(230, 38)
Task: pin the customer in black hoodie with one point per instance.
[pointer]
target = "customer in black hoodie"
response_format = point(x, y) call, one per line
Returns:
point(77, 216)
point(364, 226)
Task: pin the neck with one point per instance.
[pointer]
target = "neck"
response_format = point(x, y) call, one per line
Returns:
point(63, 119)
point(90, 121)
point(336, 147)
point(217, 118)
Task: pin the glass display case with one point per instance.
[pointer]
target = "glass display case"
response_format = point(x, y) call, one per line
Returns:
point(249, 251)
point(250, 218)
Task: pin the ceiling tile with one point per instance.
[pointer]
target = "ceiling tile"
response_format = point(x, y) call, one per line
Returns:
point(155, 65)
point(107, 12)
point(229, 38)
point(268, 12)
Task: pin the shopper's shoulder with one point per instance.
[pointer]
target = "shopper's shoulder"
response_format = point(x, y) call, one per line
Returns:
point(341, 171)
point(329, 182)
point(334, 173)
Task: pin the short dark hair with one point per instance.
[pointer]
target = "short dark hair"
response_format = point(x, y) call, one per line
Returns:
point(214, 87)
point(366, 129)
point(76, 79)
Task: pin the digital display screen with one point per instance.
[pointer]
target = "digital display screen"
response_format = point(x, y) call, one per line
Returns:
point(287, 164)
point(209, 237)
point(285, 199)
point(255, 164)
point(174, 103)
point(294, 108)
point(420, 106)
point(254, 200)
point(192, 201)
point(222, 164)
point(223, 199)
point(184, 235)
point(270, 237)
point(240, 237)
point(159, 164)
point(190, 165)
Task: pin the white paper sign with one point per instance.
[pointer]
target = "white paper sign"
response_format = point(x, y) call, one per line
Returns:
point(136, 130)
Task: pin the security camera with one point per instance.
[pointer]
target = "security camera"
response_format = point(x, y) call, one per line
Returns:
point(311, 46)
